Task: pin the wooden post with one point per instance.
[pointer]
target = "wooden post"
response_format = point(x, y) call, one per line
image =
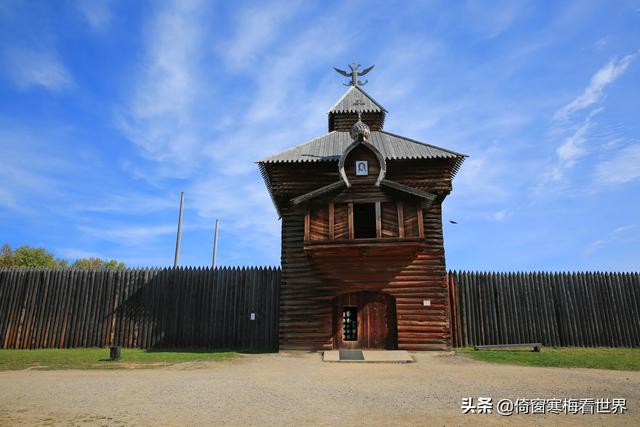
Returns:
point(351, 231)
point(420, 223)
point(331, 221)
point(307, 226)
point(378, 221)
point(400, 219)
point(215, 245)
point(176, 260)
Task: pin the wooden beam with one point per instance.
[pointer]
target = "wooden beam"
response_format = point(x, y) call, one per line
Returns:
point(378, 220)
point(420, 223)
point(351, 231)
point(317, 192)
point(400, 220)
point(410, 190)
point(307, 225)
point(331, 222)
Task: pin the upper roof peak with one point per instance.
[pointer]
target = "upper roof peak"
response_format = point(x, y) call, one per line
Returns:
point(357, 100)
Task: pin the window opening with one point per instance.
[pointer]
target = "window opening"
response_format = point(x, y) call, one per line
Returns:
point(350, 324)
point(364, 221)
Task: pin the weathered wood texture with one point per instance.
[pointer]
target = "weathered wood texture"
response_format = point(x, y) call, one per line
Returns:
point(311, 281)
point(289, 180)
point(556, 309)
point(184, 307)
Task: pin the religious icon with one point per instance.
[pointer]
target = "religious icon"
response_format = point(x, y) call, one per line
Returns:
point(362, 168)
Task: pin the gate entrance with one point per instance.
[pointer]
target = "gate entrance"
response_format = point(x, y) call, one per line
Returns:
point(364, 320)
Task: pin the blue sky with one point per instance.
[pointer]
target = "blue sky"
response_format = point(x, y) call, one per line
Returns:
point(108, 109)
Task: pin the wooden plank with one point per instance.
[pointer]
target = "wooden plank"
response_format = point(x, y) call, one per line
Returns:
point(307, 226)
point(331, 222)
point(400, 219)
point(351, 229)
point(420, 223)
point(9, 285)
point(378, 220)
point(632, 296)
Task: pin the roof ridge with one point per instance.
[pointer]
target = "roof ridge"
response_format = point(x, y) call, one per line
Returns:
point(422, 143)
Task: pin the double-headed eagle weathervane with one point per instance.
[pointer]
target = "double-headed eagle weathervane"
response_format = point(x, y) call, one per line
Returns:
point(354, 74)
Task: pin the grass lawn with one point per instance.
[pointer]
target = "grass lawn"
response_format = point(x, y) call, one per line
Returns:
point(623, 359)
point(97, 358)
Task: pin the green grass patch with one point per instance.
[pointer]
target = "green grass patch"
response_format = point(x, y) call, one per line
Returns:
point(623, 359)
point(98, 358)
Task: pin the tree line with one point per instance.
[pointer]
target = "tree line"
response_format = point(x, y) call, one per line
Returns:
point(28, 257)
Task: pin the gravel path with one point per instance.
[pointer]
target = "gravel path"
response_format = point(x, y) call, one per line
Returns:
point(299, 389)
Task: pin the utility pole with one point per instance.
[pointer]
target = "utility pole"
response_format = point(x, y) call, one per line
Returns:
point(176, 260)
point(215, 246)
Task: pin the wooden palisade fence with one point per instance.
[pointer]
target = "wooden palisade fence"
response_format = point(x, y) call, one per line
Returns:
point(187, 307)
point(146, 308)
point(556, 309)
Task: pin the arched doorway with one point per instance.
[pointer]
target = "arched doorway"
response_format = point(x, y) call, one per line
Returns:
point(364, 320)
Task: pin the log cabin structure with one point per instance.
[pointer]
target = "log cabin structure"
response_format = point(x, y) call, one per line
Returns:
point(363, 263)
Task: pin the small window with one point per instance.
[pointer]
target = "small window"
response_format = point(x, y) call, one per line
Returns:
point(350, 324)
point(364, 221)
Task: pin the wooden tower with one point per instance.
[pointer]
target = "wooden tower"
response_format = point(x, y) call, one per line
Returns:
point(363, 262)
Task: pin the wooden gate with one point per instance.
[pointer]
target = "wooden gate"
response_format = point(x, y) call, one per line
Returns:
point(364, 320)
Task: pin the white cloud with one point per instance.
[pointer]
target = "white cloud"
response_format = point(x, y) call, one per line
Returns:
point(30, 161)
point(595, 90)
point(620, 235)
point(71, 253)
point(96, 12)
point(574, 145)
point(129, 235)
point(500, 215)
point(159, 119)
point(256, 28)
point(129, 203)
point(623, 167)
point(37, 68)
point(493, 18)
point(571, 150)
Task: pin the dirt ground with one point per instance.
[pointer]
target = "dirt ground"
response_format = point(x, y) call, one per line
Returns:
point(299, 389)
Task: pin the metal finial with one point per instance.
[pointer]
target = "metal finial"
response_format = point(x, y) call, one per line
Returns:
point(354, 74)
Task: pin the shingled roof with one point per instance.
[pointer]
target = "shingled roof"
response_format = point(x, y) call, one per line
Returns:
point(330, 146)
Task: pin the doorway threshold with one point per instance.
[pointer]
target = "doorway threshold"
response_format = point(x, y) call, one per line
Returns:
point(367, 356)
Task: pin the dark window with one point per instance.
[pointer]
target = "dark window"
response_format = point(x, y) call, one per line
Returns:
point(350, 324)
point(364, 220)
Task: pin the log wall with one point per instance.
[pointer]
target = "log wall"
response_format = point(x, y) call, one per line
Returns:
point(311, 282)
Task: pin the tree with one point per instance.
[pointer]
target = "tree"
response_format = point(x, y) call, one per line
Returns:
point(6, 256)
point(28, 256)
point(97, 264)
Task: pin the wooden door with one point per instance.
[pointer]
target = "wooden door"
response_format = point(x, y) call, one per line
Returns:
point(364, 320)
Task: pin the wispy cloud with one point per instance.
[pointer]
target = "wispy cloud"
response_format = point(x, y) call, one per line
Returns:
point(28, 166)
point(255, 29)
point(606, 75)
point(493, 18)
point(128, 235)
point(620, 235)
point(623, 167)
point(37, 67)
point(159, 119)
point(574, 145)
point(73, 254)
point(97, 13)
